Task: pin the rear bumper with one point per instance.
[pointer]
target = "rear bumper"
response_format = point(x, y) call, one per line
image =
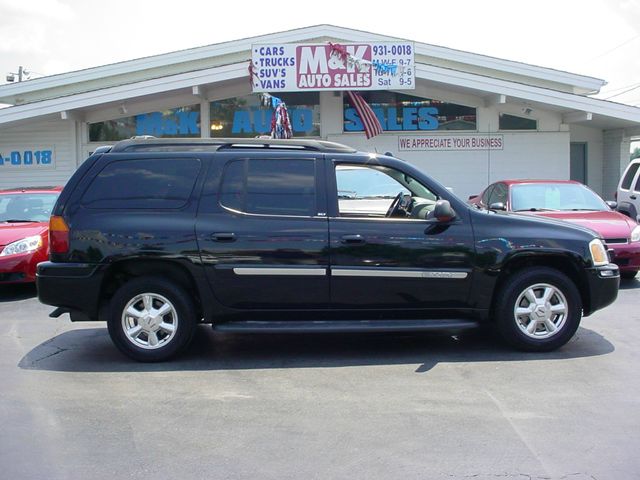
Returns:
point(74, 287)
point(602, 284)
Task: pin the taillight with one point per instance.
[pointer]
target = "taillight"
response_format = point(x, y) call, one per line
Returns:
point(58, 235)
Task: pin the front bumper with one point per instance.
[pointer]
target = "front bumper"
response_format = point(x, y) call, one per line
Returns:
point(602, 287)
point(73, 287)
point(21, 267)
point(626, 256)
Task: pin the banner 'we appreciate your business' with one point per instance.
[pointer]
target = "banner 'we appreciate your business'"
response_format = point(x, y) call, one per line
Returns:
point(309, 67)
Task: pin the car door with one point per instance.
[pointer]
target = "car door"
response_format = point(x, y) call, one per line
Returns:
point(402, 261)
point(629, 189)
point(263, 232)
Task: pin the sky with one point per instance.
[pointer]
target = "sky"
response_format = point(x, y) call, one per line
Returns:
point(598, 38)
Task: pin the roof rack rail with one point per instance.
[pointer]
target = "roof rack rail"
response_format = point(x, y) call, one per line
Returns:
point(213, 144)
point(102, 149)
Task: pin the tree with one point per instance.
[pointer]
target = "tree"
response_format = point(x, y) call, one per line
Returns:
point(635, 153)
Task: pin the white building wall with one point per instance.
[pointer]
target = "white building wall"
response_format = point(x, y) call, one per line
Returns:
point(526, 154)
point(616, 157)
point(595, 150)
point(58, 136)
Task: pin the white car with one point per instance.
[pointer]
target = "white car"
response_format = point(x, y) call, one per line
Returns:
point(628, 193)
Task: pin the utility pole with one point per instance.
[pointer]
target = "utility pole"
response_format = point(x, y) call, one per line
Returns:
point(22, 73)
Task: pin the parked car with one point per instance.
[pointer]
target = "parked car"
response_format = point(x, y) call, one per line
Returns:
point(628, 193)
point(24, 231)
point(251, 235)
point(573, 202)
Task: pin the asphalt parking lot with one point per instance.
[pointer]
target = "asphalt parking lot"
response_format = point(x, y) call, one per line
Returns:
point(323, 406)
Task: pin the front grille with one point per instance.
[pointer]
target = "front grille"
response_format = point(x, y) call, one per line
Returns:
point(616, 241)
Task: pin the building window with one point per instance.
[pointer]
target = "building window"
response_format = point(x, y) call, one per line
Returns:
point(182, 122)
point(246, 117)
point(512, 122)
point(402, 112)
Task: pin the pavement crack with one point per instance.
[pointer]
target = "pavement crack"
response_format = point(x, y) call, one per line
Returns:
point(32, 362)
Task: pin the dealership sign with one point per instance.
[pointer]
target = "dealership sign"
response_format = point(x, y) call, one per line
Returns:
point(27, 157)
point(450, 142)
point(308, 67)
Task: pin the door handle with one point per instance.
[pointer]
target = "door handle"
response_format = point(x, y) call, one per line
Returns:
point(352, 239)
point(223, 237)
point(633, 197)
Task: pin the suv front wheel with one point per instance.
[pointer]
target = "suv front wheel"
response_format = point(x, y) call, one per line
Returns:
point(151, 319)
point(539, 309)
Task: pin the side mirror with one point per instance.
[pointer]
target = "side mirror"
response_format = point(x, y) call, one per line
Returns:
point(612, 204)
point(443, 211)
point(497, 206)
point(471, 197)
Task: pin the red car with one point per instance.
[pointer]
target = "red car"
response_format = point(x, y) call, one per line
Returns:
point(24, 231)
point(571, 201)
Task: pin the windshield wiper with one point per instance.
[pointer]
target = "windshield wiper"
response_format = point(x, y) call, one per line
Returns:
point(534, 209)
point(580, 210)
point(13, 220)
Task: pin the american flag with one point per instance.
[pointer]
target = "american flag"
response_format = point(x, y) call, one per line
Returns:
point(371, 123)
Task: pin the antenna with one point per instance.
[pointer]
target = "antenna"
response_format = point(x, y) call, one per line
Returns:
point(22, 75)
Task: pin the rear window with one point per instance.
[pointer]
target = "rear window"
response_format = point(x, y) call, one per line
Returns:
point(270, 187)
point(139, 184)
point(628, 177)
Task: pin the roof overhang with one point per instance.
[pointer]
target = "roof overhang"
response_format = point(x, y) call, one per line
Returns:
point(435, 66)
point(159, 65)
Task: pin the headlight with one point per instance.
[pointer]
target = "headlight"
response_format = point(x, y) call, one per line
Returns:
point(598, 252)
point(26, 245)
point(635, 234)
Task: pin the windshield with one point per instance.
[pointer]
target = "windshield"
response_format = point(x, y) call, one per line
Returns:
point(555, 196)
point(27, 207)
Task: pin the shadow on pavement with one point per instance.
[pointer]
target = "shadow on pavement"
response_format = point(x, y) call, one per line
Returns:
point(21, 291)
point(91, 350)
point(630, 284)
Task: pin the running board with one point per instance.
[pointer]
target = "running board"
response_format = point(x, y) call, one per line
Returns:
point(339, 326)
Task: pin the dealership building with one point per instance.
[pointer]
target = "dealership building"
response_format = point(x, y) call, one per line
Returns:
point(463, 118)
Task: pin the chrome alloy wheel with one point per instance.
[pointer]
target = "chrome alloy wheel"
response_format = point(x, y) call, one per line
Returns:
point(149, 321)
point(541, 311)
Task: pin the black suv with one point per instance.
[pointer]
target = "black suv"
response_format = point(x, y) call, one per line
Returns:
point(155, 236)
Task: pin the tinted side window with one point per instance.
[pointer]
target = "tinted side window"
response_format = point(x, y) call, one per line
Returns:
point(628, 178)
point(499, 194)
point(147, 183)
point(487, 194)
point(637, 185)
point(232, 188)
point(270, 187)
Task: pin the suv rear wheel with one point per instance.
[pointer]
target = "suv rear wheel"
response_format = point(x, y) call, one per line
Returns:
point(539, 309)
point(151, 319)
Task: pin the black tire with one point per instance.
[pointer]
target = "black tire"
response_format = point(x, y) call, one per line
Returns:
point(172, 331)
point(628, 274)
point(564, 297)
